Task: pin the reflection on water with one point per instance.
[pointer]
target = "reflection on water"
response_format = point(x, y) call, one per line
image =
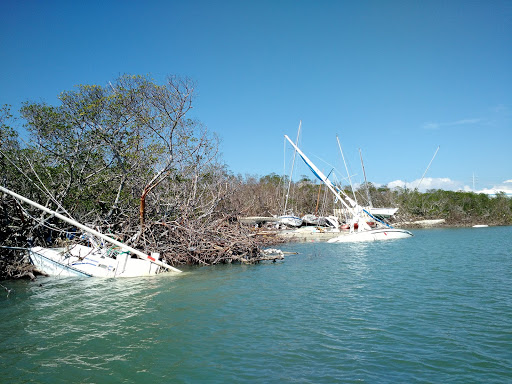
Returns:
point(76, 325)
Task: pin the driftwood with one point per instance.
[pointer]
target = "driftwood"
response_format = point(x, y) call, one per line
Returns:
point(223, 240)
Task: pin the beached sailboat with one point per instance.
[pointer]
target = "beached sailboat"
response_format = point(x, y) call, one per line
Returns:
point(380, 213)
point(94, 261)
point(290, 220)
point(359, 215)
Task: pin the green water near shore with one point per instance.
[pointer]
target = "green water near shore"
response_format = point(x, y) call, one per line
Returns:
point(434, 308)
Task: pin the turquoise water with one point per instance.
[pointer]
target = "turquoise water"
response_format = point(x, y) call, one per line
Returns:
point(436, 308)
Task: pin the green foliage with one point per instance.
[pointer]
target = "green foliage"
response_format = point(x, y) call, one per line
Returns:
point(98, 150)
point(274, 179)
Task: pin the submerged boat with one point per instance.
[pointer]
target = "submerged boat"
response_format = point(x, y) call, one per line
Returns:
point(82, 261)
point(96, 261)
point(362, 231)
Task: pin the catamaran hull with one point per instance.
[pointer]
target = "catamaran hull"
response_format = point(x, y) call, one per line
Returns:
point(372, 235)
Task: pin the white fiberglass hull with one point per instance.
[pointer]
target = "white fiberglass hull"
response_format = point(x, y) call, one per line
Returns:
point(291, 221)
point(48, 262)
point(81, 261)
point(372, 235)
point(382, 212)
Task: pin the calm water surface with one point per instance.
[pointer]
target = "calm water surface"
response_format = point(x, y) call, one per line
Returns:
point(436, 308)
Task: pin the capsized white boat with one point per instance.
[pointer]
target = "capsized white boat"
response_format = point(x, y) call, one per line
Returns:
point(359, 215)
point(81, 261)
point(93, 261)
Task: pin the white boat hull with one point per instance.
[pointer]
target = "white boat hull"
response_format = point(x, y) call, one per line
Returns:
point(53, 266)
point(81, 261)
point(291, 221)
point(372, 235)
point(382, 212)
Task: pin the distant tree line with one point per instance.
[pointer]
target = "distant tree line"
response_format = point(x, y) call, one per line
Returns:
point(265, 196)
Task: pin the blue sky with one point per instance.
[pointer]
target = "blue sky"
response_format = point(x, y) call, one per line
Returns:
point(396, 79)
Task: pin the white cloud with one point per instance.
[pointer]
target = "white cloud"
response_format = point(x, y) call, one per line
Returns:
point(465, 122)
point(495, 189)
point(431, 125)
point(444, 183)
point(448, 184)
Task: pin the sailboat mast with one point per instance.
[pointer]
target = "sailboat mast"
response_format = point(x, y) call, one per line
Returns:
point(365, 181)
point(424, 173)
point(318, 199)
point(322, 177)
point(291, 172)
point(346, 169)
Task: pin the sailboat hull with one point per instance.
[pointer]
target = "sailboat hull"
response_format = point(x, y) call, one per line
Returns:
point(82, 261)
point(372, 235)
point(291, 221)
point(52, 263)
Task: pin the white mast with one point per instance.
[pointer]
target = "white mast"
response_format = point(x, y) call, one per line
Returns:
point(322, 177)
point(424, 173)
point(365, 181)
point(346, 169)
point(356, 210)
point(291, 172)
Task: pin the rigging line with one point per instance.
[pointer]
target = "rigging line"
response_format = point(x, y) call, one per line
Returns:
point(326, 162)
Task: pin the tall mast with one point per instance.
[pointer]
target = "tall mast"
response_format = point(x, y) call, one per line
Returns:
point(337, 191)
point(291, 172)
point(346, 169)
point(365, 181)
point(424, 173)
point(322, 177)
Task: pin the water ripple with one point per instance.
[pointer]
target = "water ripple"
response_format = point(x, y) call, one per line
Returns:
point(434, 308)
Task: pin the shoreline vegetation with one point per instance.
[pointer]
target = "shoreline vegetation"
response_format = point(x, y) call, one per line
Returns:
point(127, 160)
